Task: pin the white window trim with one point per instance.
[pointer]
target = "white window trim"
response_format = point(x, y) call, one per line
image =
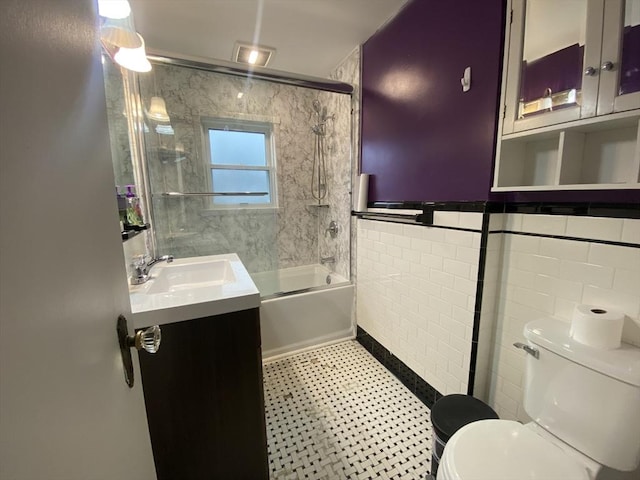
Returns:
point(241, 125)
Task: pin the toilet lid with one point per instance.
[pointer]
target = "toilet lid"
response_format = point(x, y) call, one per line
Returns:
point(505, 450)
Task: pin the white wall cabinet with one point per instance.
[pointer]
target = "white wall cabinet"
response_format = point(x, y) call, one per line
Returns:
point(571, 96)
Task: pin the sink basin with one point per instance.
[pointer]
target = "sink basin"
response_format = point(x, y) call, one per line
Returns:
point(190, 288)
point(176, 277)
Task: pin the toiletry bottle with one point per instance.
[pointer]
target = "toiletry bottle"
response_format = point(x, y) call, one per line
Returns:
point(134, 217)
point(122, 208)
point(139, 211)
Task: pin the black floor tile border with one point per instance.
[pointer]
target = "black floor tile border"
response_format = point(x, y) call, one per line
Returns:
point(419, 387)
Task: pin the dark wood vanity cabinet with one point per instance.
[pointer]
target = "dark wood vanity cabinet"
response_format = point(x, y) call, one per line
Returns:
point(204, 398)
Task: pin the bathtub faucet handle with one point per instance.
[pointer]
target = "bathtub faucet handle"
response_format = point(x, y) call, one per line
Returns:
point(333, 229)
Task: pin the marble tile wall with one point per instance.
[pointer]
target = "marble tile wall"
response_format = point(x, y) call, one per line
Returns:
point(341, 151)
point(265, 239)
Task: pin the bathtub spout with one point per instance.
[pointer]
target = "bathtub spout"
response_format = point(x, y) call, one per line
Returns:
point(325, 260)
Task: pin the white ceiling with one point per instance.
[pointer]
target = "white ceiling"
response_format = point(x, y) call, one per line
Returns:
point(310, 36)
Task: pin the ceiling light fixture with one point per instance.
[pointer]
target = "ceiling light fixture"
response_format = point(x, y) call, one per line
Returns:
point(257, 55)
point(120, 37)
point(115, 9)
point(158, 110)
point(133, 58)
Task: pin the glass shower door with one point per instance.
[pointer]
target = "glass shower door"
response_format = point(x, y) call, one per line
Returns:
point(231, 165)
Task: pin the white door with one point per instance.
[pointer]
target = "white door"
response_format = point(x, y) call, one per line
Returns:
point(65, 410)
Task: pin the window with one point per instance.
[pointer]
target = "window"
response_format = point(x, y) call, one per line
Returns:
point(240, 160)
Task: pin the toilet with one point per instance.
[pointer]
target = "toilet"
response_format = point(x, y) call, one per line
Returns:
point(585, 410)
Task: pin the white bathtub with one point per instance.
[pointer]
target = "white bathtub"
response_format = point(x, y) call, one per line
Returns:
point(294, 322)
point(295, 279)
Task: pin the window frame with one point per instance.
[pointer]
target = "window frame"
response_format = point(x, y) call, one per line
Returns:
point(248, 126)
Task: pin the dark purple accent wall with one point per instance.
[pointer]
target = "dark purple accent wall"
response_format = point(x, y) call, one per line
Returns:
point(423, 139)
point(559, 71)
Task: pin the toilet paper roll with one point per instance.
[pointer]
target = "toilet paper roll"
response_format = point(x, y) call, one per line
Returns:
point(362, 196)
point(597, 327)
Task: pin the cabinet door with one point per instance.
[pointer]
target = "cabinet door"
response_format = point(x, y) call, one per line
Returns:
point(553, 62)
point(204, 397)
point(620, 63)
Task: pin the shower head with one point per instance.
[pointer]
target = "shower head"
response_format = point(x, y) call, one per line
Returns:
point(316, 106)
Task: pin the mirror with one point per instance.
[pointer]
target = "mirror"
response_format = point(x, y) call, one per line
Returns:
point(553, 52)
point(232, 163)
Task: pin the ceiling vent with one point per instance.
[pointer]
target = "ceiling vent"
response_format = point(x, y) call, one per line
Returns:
point(257, 55)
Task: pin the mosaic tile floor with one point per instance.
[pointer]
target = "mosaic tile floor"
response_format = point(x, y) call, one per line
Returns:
point(336, 413)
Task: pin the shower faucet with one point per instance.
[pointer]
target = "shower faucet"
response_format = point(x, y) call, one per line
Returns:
point(325, 260)
point(333, 229)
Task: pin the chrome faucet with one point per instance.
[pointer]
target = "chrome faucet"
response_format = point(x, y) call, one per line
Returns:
point(324, 260)
point(142, 267)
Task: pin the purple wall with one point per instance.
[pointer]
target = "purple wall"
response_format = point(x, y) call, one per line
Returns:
point(423, 139)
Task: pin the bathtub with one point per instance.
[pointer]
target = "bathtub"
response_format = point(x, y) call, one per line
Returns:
point(303, 307)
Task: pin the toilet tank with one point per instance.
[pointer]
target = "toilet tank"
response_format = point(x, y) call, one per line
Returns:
point(587, 397)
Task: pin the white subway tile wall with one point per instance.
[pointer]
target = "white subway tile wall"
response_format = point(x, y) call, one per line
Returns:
point(488, 312)
point(416, 294)
point(548, 277)
point(631, 231)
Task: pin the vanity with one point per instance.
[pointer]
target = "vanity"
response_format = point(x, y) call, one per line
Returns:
point(203, 388)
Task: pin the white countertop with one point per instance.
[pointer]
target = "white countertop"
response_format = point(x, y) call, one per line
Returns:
point(233, 292)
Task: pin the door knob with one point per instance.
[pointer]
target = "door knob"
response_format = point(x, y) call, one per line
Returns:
point(607, 66)
point(590, 71)
point(147, 339)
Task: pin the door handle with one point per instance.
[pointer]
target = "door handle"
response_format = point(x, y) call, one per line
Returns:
point(148, 340)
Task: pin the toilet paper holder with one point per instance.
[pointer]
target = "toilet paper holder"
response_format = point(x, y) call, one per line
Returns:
point(530, 350)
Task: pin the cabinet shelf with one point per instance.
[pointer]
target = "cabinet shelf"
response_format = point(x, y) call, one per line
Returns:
point(592, 154)
point(605, 122)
